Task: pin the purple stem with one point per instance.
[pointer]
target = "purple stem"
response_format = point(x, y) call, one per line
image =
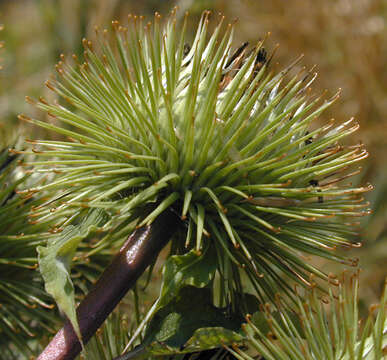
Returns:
point(138, 252)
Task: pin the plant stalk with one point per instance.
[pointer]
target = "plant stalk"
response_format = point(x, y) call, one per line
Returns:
point(138, 252)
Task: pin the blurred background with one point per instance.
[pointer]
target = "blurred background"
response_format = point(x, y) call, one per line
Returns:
point(346, 39)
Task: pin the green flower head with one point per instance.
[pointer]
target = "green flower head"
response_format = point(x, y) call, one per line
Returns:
point(149, 123)
point(317, 331)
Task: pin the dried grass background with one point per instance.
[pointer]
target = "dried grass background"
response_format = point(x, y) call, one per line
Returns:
point(346, 39)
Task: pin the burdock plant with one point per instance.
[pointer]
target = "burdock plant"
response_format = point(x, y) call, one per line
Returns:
point(23, 300)
point(321, 334)
point(205, 148)
point(26, 311)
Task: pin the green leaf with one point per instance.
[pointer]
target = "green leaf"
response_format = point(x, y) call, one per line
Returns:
point(190, 323)
point(212, 337)
point(179, 271)
point(189, 269)
point(55, 262)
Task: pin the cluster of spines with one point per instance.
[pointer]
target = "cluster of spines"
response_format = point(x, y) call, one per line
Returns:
point(210, 134)
point(316, 331)
point(23, 311)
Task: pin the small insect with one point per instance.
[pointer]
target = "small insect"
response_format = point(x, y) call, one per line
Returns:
point(309, 140)
point(236, 54)
point(313, 182)
point(233, 65)
point(261, 58)
point(186, 49)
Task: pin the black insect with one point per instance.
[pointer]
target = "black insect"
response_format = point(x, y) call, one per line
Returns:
point(236, 54)
point(261, 58)
point(308, 141)
point(186, 49)
point(313, 182)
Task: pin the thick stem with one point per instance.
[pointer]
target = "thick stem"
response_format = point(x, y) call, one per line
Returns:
point(138, 252)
